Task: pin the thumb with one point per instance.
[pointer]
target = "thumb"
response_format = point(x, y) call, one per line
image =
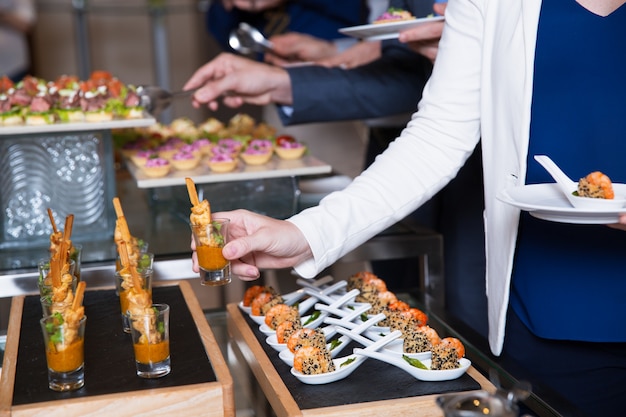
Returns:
point(238, 248)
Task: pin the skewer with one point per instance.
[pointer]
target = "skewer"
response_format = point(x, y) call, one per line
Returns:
point(79, 295)
point(129, 268)
point(121, 220)
point(118, 207)
point(191, 189)
point(67, 232)
point(54, 225)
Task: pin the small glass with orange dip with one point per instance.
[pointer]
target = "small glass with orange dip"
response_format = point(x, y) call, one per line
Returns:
point(124, 287)
point(65, 352)
point(210, 239)
point(151, 340)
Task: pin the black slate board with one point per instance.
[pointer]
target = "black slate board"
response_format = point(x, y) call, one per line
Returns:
point(109, 358)
point(372, 381)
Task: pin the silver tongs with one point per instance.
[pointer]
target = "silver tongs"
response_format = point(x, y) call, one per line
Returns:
point(156, 99)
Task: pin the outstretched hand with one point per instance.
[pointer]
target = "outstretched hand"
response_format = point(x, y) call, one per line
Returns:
point(257, 242)
point(424, 39)
point(237, 80)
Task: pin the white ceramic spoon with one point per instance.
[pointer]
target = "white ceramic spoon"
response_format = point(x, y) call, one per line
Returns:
point(371, 331)
point(294, 296)
point(314, 320)
point(306, 305)
point(568, 187)
point(336, 347)
point(421, 374)
point(344, 366)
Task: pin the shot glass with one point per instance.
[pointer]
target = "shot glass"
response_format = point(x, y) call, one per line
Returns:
point(48, 307)
point(151, 340)
point(210, 239)
point(65, 352)
point(44, 283)
point(76, 256)
point(125, 288)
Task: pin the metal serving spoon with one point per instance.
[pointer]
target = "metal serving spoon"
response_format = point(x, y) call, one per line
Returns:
point(247, 39)
point(156, 99)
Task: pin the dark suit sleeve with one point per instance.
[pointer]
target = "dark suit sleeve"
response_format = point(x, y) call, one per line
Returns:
point(390, 85)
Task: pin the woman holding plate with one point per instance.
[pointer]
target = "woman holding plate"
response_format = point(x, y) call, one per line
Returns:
point(512, 75)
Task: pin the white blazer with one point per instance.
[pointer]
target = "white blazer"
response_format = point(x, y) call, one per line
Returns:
point(480, 89)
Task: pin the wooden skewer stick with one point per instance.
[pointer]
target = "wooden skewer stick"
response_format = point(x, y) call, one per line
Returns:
point(191, 189)
point(67, 231)
point(118, 207)
point(78, 297)
point(55, 272)
point(121, 220)
point(54, 225)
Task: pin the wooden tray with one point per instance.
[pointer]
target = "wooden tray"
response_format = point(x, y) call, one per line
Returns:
point(374, 389)
point(199, 384)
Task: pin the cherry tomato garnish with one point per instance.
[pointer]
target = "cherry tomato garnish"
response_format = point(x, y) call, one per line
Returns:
point(283, 139)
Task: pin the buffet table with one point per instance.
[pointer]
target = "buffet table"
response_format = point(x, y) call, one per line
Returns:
point(199, 383)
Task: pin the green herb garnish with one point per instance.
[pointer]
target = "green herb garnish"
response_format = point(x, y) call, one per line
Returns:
point(53, 328)
point(312, 317)
point(363, 317)
point(347, 362)
point(334, 343)
point(414, 362)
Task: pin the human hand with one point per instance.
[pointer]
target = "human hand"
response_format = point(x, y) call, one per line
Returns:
point(424, 39)
point(298, 47)
point(358, 54)
point(239, 80)
point(622, 223)
point(256, 242)
point(251, 5)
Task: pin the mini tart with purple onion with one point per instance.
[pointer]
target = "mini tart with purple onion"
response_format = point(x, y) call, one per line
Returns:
point(141, 156)
point(156, 167)
point(222, 162)
point(185, 160)
point(258, 152)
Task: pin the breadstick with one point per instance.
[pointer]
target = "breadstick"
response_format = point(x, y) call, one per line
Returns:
point(69, 222)
point(79, 295)
point(54, 225)
point(191, 189)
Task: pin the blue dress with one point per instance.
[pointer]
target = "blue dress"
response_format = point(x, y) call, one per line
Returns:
point(569, 281)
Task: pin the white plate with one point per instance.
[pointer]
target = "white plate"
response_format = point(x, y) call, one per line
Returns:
point(382, 31)
point(547, 202)
point(397, 349)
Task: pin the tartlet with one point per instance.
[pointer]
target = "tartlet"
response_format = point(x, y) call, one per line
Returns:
point(185, 161)
point(289, 148)
point(140, 157)
point(222, 163)
point(258, 152)
point(156, 167)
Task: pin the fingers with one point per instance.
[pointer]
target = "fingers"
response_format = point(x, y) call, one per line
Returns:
point(440, 8)
point(244, 271)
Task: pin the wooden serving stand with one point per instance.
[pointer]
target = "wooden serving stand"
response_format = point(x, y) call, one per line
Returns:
point(199, 384)
point(366, 393)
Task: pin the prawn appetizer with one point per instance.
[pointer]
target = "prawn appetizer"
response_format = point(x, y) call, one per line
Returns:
point(313, 360)
point(447, 354)
point(596, 185)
